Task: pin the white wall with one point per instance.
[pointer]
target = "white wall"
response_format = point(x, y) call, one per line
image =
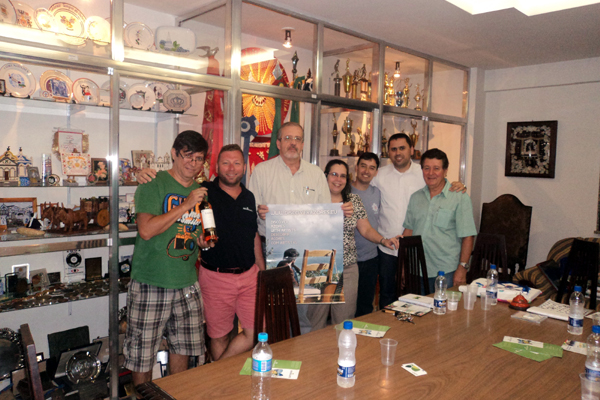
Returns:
point(569, 92)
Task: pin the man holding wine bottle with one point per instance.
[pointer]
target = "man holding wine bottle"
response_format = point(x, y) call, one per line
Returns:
point(164, 295)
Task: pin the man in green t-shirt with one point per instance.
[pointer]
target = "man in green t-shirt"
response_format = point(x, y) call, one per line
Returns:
point(164, 296)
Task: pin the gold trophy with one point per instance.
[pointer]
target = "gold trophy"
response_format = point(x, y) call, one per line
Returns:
point(347, 79)
point(414, 138)
point(386, 99)
point(355, 85)
point(418, 97)
point(361, 142)
point(364, 84)
point(389, 84)
point(347, 129)
point(295, 60)
point(384, 140)
point(334, 151)
point(406, 93)
point(370, 86)
point(337, 80)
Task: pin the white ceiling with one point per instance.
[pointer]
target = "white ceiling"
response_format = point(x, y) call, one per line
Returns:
point(494, 40)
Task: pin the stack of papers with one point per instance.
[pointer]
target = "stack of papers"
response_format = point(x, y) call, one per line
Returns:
point(554, 310)
point(365, 329)
point(417, 299)
point(409, 308)
point(506, 291)
point(280, 368)
point(537, 351)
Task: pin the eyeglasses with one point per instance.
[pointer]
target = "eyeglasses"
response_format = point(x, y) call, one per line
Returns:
point(189, 159)
point(289, 138)
point(336, 175)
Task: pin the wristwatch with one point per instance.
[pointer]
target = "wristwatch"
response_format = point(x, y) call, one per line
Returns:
point(464, 265)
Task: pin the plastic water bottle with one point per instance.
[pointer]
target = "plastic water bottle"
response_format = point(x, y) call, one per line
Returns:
point(576, 312)
point(262, 357)
point(440, 299)
point(592, 364)
point(491, 290)
point(346, 359)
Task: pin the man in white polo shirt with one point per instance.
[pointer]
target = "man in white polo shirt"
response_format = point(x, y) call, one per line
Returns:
point(397, 182)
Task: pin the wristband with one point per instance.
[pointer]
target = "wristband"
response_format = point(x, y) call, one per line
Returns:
point(381, 241)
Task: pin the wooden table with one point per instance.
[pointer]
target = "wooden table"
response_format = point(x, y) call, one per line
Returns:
point(455, 349)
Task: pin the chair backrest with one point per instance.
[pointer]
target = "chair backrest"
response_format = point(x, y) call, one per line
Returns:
point(412, 268)
point(275, 311)
point(34, 380)
point(509, 217)
point(582, 267)
point(489, 249)
point(315, 267)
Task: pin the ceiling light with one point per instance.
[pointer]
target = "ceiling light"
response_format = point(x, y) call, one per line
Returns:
point(287, 42)
point(527, 7)
point(397, 71)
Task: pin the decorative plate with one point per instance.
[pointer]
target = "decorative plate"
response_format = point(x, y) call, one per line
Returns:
point(105, 94)
point(86, 91)
point(138, 36)
point(174, 39)
point(53, 180)
point(8, 14)
point(58, 84)
point(45, 21)
point(71, 23)
point(25, 14)
point(83, 367)
point(20, 82)
point(142, 95)
point(159, 89)
point(98, 29)
point(177, 101)
point(11, 355)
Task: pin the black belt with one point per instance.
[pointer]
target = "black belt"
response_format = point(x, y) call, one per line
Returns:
point(235, 271)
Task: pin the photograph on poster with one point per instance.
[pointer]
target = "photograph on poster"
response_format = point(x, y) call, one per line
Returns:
point(308, 239)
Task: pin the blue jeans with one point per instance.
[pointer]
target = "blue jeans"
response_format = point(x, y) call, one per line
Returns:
point(449, 281)
point(388, 266)
point(367, 283)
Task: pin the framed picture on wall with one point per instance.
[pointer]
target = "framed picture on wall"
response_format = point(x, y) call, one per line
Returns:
point(531, 149)
point(17, 211)
point(100, 170)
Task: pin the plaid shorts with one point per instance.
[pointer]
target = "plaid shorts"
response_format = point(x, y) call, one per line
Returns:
point(154, 312)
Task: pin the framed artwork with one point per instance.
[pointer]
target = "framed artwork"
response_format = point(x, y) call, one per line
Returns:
point(2, 87)
point(100, 170)
point(39, 278)
point(76, 164)
point(74, 141)
point(141, 158)
point(33, 174)
point(21, 270)
point(531, 149)
point(18, 211)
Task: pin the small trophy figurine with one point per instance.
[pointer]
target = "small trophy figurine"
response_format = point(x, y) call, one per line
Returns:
point(414, 138)
point(390, 90)
point(418, 97)
point(384, 140)
point(361, 142)
point(386, 99)
point(347, 129)
point(337, 80)
point(347, 78)
point(364, 84)
point(295, 60)
point(406, 93)
point(334, 151)
point(356, 85)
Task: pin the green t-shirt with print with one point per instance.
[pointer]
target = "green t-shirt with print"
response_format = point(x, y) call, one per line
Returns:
point(168, 259)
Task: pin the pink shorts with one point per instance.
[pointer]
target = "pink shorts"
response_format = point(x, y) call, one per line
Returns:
point(225, 295)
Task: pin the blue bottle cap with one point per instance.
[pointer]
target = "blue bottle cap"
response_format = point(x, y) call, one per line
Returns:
point(596, 328)
point(493, 266)
point(577, 289)
point(441, 273)
point(263, 337)
point(347, 324)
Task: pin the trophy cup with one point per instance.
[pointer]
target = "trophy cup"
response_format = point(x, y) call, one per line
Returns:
point(406, 93)
point(337, 80)
point(295, 60)
point(334, 152)
point(414, 138)
point(347, 78)
point(386, 100)
point(347, 129)
point(364, 84)
point(361, 143)
point(418, 97)
point(355, 85)
point(384, 140)
point(390, 90)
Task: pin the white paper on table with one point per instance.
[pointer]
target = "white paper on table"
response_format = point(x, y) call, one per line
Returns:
point(417, 299)
point(575, 347)
point(527, 342)
point(506, 291)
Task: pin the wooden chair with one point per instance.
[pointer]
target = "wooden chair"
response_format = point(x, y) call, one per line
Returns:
point(276, 311)
point(509, 217)
point(582, 267)
point(489, 249)
point(412, 268)
point(34, 380)
point(330, 289)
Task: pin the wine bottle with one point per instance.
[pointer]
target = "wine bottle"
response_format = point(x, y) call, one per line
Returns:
point(209, 228)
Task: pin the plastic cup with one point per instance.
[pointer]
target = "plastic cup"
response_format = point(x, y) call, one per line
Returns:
point(388, 351)
point(453, 298)
point(486, 302)
point(385, 377)
point(469, 300)
point(473, 288)
point(590, 390)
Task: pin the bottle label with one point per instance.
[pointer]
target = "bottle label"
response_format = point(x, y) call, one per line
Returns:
point(491, 294)
point(575, 322)
point(261, 365)
point(439, 303)
point(208, 219)
point(592, 374)
point(346, 372)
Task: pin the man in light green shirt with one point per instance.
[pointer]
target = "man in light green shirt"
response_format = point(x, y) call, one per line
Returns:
point(443, 219)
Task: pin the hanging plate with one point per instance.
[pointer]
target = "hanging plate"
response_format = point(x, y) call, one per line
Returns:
point(20, 82)
point(58, 84)
point(71, 23)
point(86, 91)
point(138, 36)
